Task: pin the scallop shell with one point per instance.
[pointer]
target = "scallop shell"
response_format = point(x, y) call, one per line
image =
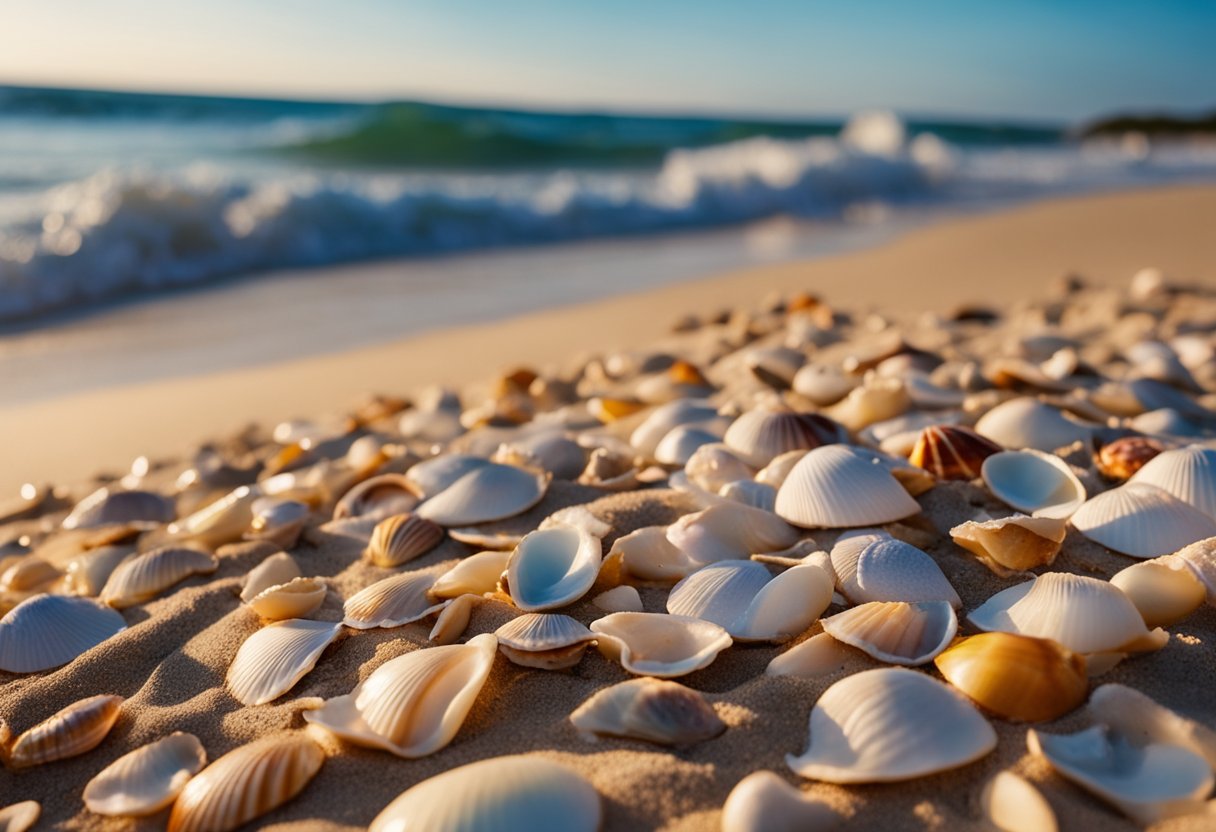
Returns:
point(763, 802)
point(743, 598)
point(547, 641)
point(1016, 677)
point(951, 452)
point(1026, 422)
point(877, 567)
point(431, 476)
point(654, 644)
point(619, 599)
point(273, 659)
point(1165, 590)
point(831, 487)
point(476, 574)
point(246, 783)
point(88, 572)
point(1187, 473)
point(47, 631)
point(106, 507)
point(412, 705)
point(714, 465)
point(1012, 544)
point(278, 569)
point(297, 598)
point(507, 793)
point(378, 497)
point(146, 780)
point(655, 710)
point(1085, 615)
point(392, 602)
point(1142, 520)
point(819, 655)
point(896, 632)
point(1011, 804)
point(491, 492)
point(277, 520)
point(768, 431)
point(401, 538)
point(20, 817)
point(553, 567)
point(78, 728)
point(729, 531)
point(142, 577)
point(1123, 457)
point(890, 724)
point(1038, 483)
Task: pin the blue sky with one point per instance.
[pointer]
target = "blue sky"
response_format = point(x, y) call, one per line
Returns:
point(1052, 60)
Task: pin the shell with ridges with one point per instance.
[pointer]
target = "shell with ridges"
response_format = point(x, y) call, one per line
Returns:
point(297, 598)
point(1035, 482)
point(877, 567)
point(490, 492)
point(549, 641)
point(746, 600)
point(142, 577)
point(378, 497)
point(831, 487)
point(553, 567)
point(1011, 804)
point(46, 631)
point(78, 728)
point(1142, 520)
point(1165, 590)
point(1187, 473)
point(766, 432)
point(656, 710)
point(392, 602)
point(273, 659)
point(896, 632)
point(476, 574)
point(951, 452)
point(147, 779)
point(106, 507)
point(401, 538)
point(1026, 422)
point(730, 531)
point(763, 802)
point(1012, 544)
point(1201, 558)
point(654, 644)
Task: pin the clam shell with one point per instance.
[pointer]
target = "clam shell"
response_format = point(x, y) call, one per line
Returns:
point(78, 728)
point(431, 476)
point(890, 724)
point(246, 783)
point(750, 493)
point(392, 602)
point(278, 569)
point(1011, 804)
point(831, 487)
point(106, 507)
point(619, 599)
point(768, 431)
point(951, 452)
point(88, 572)
point(502, 793)
point(1012, 544)
point(730, 531)
point(655, 710)
point(877, 567)
point(1038, 483)
point(653, 644)
point(401, 538)
point(222, 521)
point(714, 465)
point(1026, 422)
point(647, 555)
point(412, 705)
point(896, 632)
point(1016, 677)
point(378, 497)
point(1187, 473)
point(553, 567)
point(297, 598)
point(819, 655)
point(646, 437)
point(548, 641)
point(1165, 590)
point(277, 520)
point(490, 492)
point(743, 598)
point(1142, 520)
point(273, 659)
point(47, 631)
point(142, 577)
point(763, 802)
point(476, 574)
point(20, 817)
point(146, 780)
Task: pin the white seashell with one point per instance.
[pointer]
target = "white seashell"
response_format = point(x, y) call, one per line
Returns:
point(431, 476)
point(276, 570)
point(619, 599)
point(491, 492)
point(246, 783)
point(730, 531)
point(273, 659)
point(430, 425)
point(819, 655)
point(762, 434)
point(501, 793)
point(890, 724)
point(220, 522)
point(876, 400)
point(750, 493)
point(377, 498)
point(392, 602)
point(647, 555)
point(1011, 804)
point(544, 640)
point(142, 577)
point(714, 465)
point(1040, 484)
point(1026, 422)
point(476, 574)
point(402, 538)
point(78, 728)
point(649, 709)
point(776, 366)
point(146, 780)
point(412, 705)
point(297, 598)
point(1085, 615)
point(823, 384)
point(877, 567)
point(1187, 473)
point(1165, 590)
point(831, 487)
point(654, 644)
point(277, 520)
point(681, 443)
point(1139, 718)
point(1201, 558)
point(47, 631)
point(763, 802)
point(577, 517)
point(1012, 544)
point(88, 572)
point(1142, 520)
point(551, 450)
point(775, 472)
point(553, 567)
point(743, 598)
point(104, 507)
point(20, 817)
point(646, 437)
point(896, 632)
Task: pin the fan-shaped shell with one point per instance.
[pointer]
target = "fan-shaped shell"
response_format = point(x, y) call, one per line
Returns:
point(401, 538)
point(142, 577)
point(890, 724)
point(1142, 520)
point(951, 452)
point(1026, 422)
point(763, 802)
point(653, 644)
point(106, 507)
point(392, 602)
point(20, 817)
point(1012, 544)
point(297, 598)
point(276, 570)
point(549, 641)
point(877, 567)
point(1165, 590)
point(649, 709)
point(489, 492)
point(553, 567)
point(78, 728)
point(412, 705)
point(729, 531)
point(831, 487)
point(896, 632)
point(273, 659)
point(246, 783)
point(760, 435)
point(1038, 483)
point(88, 572)
point(502, 793)
point(46, 631)
point(1011, 804)
point(1187, 473)
point(743, 598)
point(146, 780)
point(476, 574)
point(277, 520)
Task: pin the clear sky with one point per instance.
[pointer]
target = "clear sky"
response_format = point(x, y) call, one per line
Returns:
point(1057, 59)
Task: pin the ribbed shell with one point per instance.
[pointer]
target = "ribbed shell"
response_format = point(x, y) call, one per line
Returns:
point(1012, 544)
point(1201, 558)
point(146, 780)
point(877, 567)
point(1142, 520)
point(489, 492)
point(20, 817)
point(273, 659)
point(534, 632)
point(896, 632)
point(1028, 423)
point(295, 599)
point(763, 802)
point(414, 704)
point(78, 728)
point(890, 724)
point(1035, 482)
point(831, 487)
point(649, 709)
point(654, 644)
point(475, 574)
point(247, 783)
point(105, 507)
point(766, 432)
point(553, 567)
point(277, 569)
point(730, 531)
point(88, 572)
point(1187, 473)
point(142, 577)
point(49, 630)
point(392, 602)
point(950, 452)
point(401, 538)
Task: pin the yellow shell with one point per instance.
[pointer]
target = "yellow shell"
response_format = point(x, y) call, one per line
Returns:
point(402, 538)
point(78, 728)
point(1012, 544)
point(950, 452)
point(1163, 589)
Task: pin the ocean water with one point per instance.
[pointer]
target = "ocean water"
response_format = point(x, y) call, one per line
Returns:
point(110, 194)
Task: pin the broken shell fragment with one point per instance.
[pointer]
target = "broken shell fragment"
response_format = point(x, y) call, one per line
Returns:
point(297, 598)
point(1038, 483)
point(819, 655)
point(1012, 544)
point(746, 600)
point(146, 780)
point(896, 632)
point(654, 644)
point(549, 641)
point(489, 492)
point(1142, 520)
point(47, 631)
point(655, 710)
point(142, 577)
point(951, 452)
point(273, 659)
point(1165, 590)
point(392, 602)
point(401, 538)
point(623, 598)
point(832, 487)
point(646, 555)
point(78, 728)
point(763, 802)
point(1011, 804)
point(877, 567)
point(553, 567)
point(476, 574)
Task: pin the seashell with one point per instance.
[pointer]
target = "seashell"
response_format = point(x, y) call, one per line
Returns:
point(915, 481)
point(770, 430)
point(1014, 373)
point(831, 487)
point(1016, 677)
point(619, 599)
point(890, 724)
point(1085, 615)
point(647, 555)
point(819, 655)
point(1026, 422)
point(776, 367)
point(297, 598)
point(431, 476)
point(412, 705)
point(146, 780)
point(1125, 456)
point(1038, 483)
point(763, 802)
point(1142, 520)
point(278, 569)
point(78, 728)
point(646, 437)
point(28, 574)
point(553, 567)
point(88, 572)
point(277, 521)
point(401, 538)
point(775, 472)
point(47, 631)
point(609, 409)
point(877, 567)
point(378, 497)
point(750, 493)
point(544, 640)
point(654, 644)
point(655, 710)
point(1166, 422)
point(1201, 558)
point(246, 783)
point(823, 385)
point(924, 393)
point(507, 793)
point(1155, 360)
point(951, 452)
point(491, 492)
point(105, 507)
point(682, 380)
point(1186, 473)
point(876, 400)
point(577, 517)
point(1139, 718)
point(392, 602)
point(431, 425)
point(898, 436)
point(550, 450)
point(896, 632)
point(273, 659)
point(222, 521)
point(20, 817)
point(1011, 804)
point(714, 465)
point(497, 541)
point(142, 577)
point(681, 443)
point(453, 619)
point(1165, 590)
point(744, 599)
point(476, 574)
point(611, 470)
point(1012, 544)
point(730, 531)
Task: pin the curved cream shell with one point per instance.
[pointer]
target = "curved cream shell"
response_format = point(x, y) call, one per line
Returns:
point(392, 602)
point(1142, 520)
point(142, 577)
point(730, 531)
point(147, 779)
point(1028, 423)
point(295, 599)
point(655, 710)
point(831, 487)
point(47, 631)
point(654, 644)
point(78, 728)
point(763, 802)
point(1011, 804)
point(751, 604)
point(476, 574)
point(489, 492)
point(277, 569)
point(896, 632)
point(273, 659)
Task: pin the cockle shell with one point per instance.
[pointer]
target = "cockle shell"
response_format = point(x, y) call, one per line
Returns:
point(548, 641)
point(46, 631)
point(896, 632)
point(142, 577)
point(274, 658)
point(951, 452)
point(890, 724)
point(1040, 484)
point(623, 598)
point(1012, 544)
point(246, 783)
point(831, 487)
point(392, 602)
point(1187, 473)
point(553, 567)
point(714, 465)
point(277, 569)
point(730, 531)
point(297, 598)
point(1026, 422)
point(78, 728)
point(378, 497)
point(1142, 520)
point(819, 655)
point(654, 644)
point(763, 802)
point(401, 538)
point(146, 780)
point(1011, 804)
point(20, 817)
point(277, 520)
point(490, 492)
point(412, 705)
point(1016, 677)
point(1126, 455)
point(746, 600)
point(1165, 590)
point(762, 434)
point(476, 574)
point(501, 793)
point(104, 507)
point(877, 567)
point(88, 572)
point(656, 710)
